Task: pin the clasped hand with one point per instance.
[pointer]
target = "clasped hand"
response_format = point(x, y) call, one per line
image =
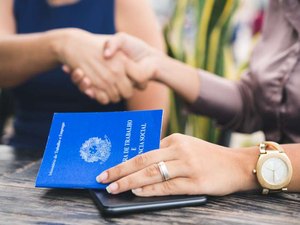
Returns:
point(112, 67)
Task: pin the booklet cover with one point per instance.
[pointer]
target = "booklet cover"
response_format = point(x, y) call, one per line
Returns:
point(82, 145)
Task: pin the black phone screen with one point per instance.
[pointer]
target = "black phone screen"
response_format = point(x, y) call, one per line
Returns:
point(129, 203)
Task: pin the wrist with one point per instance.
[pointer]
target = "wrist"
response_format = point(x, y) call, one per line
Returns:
point(245, 161)
point(57, 37)
point(59, 40)
point(158, 62)
point(180, 77)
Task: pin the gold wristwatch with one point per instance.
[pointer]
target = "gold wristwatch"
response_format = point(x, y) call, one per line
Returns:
point(273, 169)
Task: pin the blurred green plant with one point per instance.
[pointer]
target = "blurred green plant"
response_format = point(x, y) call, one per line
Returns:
point(199, 35)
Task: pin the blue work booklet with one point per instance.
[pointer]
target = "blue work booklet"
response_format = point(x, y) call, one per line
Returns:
point(82, 145)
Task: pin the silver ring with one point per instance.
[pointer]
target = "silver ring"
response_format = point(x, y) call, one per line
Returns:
point(164, 171)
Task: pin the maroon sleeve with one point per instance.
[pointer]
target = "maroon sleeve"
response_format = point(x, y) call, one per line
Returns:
point(230, 103)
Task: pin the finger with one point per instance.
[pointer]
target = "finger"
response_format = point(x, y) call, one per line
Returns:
point(118, 77)
point(147, 176)
point(135, 74)
point(165, 142)
point(125, 87)
point(135, 164)
point(116, 96)
point(106, 80)
point(177, 186)
point(89, 92)
point(101, 97)
point(66, 69)
point(123, 84)
point(84, 84)
point(95, 73)
point(125, 43)
point(95, 92)
point(112, 45)
point(97, 82)
point(77, 75)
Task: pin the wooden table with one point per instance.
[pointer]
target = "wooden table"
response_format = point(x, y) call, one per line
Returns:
point(22, 203)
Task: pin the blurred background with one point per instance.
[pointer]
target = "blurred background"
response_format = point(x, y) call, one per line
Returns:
point(215, 35)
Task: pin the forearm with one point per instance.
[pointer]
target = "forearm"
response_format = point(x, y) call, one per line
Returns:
point(207, 93)
point(180, 77)
point(23, 56)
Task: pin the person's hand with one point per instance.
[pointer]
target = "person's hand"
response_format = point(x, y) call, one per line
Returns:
point(119, 67)
point(81, 53)
point(146, 56)
point(140, 72)
point(194, 167)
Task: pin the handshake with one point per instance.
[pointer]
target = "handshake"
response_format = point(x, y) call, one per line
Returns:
point(108, 68)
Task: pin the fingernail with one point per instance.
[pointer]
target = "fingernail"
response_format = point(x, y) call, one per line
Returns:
point(102, 177)
point(136, 191)
point(89, 93)
point(65, 69)
point(112, 188)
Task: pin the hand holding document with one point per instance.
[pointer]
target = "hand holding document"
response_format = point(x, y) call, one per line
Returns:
point(82, 145)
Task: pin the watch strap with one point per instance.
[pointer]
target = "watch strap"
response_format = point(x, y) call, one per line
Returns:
point(263, 147)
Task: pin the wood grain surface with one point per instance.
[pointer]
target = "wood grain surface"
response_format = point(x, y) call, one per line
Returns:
point(22, 203)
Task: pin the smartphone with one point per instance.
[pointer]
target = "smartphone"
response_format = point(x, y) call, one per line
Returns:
point(127, 202)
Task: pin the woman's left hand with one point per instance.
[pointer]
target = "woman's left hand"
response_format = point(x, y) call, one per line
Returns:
point(194, 167)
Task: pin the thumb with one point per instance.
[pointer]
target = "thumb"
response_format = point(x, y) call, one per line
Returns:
point(135, 74)
point(112, 45)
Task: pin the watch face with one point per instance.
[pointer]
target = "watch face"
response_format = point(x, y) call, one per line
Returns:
point(274, 171)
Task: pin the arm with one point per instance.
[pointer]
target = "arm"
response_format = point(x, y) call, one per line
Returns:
point(16, 65)
point(25, 56)
point(156, 95)
point(206, 93)
point(195, 167)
